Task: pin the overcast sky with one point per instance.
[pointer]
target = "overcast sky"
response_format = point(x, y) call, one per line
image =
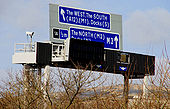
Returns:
point(146, 24)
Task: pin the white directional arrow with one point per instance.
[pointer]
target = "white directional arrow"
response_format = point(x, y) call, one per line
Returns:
point(99, 66)
point(62, 13)
point(123, 68)
point(116, 40)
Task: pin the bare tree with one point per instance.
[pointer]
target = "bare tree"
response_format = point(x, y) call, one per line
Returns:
point(20, 92)
point(13, 94)
point(75, 82)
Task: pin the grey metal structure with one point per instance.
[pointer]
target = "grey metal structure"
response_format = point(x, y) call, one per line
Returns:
point(116, 24)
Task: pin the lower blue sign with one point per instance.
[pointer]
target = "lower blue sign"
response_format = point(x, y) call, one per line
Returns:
point(110, 40)
point(123, 68)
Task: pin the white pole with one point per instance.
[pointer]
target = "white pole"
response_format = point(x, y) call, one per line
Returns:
point(46, 82)
point(145, 86)
point(46, 74)
point(31, 44)
point(26, 81)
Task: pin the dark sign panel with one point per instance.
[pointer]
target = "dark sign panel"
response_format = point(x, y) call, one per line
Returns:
point(44, 53)
point(85, 52)
point(56, 33)
point(136, 65)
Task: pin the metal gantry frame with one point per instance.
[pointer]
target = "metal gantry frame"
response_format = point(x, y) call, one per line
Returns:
point(26, 54)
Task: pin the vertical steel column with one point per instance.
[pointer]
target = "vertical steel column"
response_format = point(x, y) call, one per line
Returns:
point(39, 77)
point(26, 81)
point(145, 86)
point(126, 89)
point(46, 83)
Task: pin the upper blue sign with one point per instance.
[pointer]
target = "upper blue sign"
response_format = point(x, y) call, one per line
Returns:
point(84, 18)
point(110, 40)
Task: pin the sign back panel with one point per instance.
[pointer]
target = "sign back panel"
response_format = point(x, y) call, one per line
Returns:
point(59, 15)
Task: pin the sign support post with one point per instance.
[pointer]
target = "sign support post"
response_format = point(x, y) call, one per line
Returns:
point(145, 86)
point(26, 81)
point(39, 77)
point(46, 84)
point(126, 89)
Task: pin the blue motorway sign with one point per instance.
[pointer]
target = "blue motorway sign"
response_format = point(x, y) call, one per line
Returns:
point(84, 17)
point(63, 34)
point(110, 40)
point(123, 68)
